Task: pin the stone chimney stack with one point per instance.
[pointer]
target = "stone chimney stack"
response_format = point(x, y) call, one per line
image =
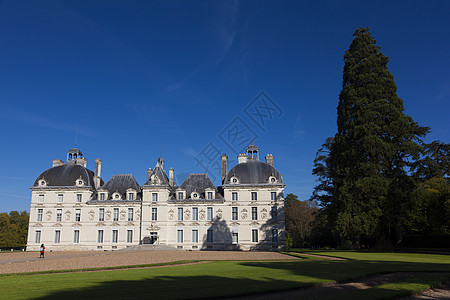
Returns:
point(149, 172)
point(224, 166)
point(171, 177)
point(242, 158)
point(269, 159)
point(57, 163)
point(97, 172)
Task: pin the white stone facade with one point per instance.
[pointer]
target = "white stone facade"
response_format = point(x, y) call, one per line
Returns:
point(69, 212)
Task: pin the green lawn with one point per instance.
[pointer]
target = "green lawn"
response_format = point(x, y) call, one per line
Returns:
point(227, 278)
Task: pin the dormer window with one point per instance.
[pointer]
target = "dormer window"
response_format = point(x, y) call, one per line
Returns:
point(42, 183)
point(131, 194)
point(102, 196)
point(234, 180)
point(272, 179)
point(116, 196)
point(194, 195)
point(79, 182)
point(210, 195)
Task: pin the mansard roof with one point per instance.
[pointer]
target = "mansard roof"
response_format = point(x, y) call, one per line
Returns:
point(66, 175)
point(198, 183)
point(121, 183)
point(253, 172)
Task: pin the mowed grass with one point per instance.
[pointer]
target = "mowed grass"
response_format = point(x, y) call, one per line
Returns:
point(226, 278)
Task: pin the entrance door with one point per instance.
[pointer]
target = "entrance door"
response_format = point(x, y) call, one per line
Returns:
point(153, 237)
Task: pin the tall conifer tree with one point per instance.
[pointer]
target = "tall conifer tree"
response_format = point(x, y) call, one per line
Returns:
point(366, 167)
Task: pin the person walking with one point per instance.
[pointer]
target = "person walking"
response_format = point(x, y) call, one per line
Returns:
point(42, 251)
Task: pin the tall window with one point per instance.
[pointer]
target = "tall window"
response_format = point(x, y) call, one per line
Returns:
point(180, 195)
point(273, 196)
point(76, 236)
point(41, 198)
point(194, 235)
point(234, 237)
point(129, 236)
point(254, 196)
point(195, 213)
point(130, 214)
point(274, 235)
point(274, 213)
point(154, 196)
point(100, 236)
point(102, 196)
point(60, 197)
point(57, 236)
point(40, 212)
point(210, 195)
point(79, 197)
point(116, 214)
point(154, 214)
point(180, 214)
point(209, 236)
point(179, 235)
point(254, 235)
point(58, 215)
point(37, 236)
point(101, 214)
point(130, 196)
point(115, 236)
point(77, 215)
point(209, 213)
point(254, 213)
point(234, 196)
point(234, 213)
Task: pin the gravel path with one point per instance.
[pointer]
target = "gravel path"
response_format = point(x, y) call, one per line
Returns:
point(18, 262)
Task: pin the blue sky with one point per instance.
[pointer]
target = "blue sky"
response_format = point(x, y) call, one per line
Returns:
point(137, 79)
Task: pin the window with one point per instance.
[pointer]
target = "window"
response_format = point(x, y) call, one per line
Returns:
point(195, 213)
point(41, 198)
point(254, 213)
point(273, 196)
point(60, 197)
point(273, 212)
point(116, 214)
point(154, 196)
point(234, 213)
point(209, 236)
point(130, 196)
point(100, 236)
point(79, 197)
point(194, 235)
point(58, 215)
point(234, 196)
point(179, 235)
point(40, 212)
point(57, 236)
point(37, 236)
point(209, 213)
point(154, 214)
point(210, 195)
point(180, 214)
point(101, 214)
point(254, 235)
point(102, 196)
point(129, 236)
point(235, 238)
point(130, 214)
point(180, 195)
point(254, 196)
point(115, 236)
point(77, 215)
point(274, 235)
point(76, 236)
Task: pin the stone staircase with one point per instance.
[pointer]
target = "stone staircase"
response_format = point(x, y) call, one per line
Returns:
point(149, 247)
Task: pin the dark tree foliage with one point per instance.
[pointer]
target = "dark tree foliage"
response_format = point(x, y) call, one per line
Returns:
point(13, 229)
point(363, 180)
point(299, 218)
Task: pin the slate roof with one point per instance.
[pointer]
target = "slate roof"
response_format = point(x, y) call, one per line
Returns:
point(253, 172)
point(121, 183)
point(160, 173)
point(66, 175)
point(198, 183)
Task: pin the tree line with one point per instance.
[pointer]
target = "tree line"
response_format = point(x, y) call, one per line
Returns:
point(13, 229)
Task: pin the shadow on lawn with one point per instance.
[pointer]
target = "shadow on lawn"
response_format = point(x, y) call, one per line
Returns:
point(300, 273)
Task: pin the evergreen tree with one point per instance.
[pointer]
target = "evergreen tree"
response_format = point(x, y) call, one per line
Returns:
point(364, 175)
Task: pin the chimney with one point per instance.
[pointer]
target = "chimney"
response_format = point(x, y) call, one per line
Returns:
point(97, 172)
point(171, 177)
point(224, 166)
point(242, 158)
point(269, 159)
point(57, 163)
point(81, 161)
point(149, 172)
